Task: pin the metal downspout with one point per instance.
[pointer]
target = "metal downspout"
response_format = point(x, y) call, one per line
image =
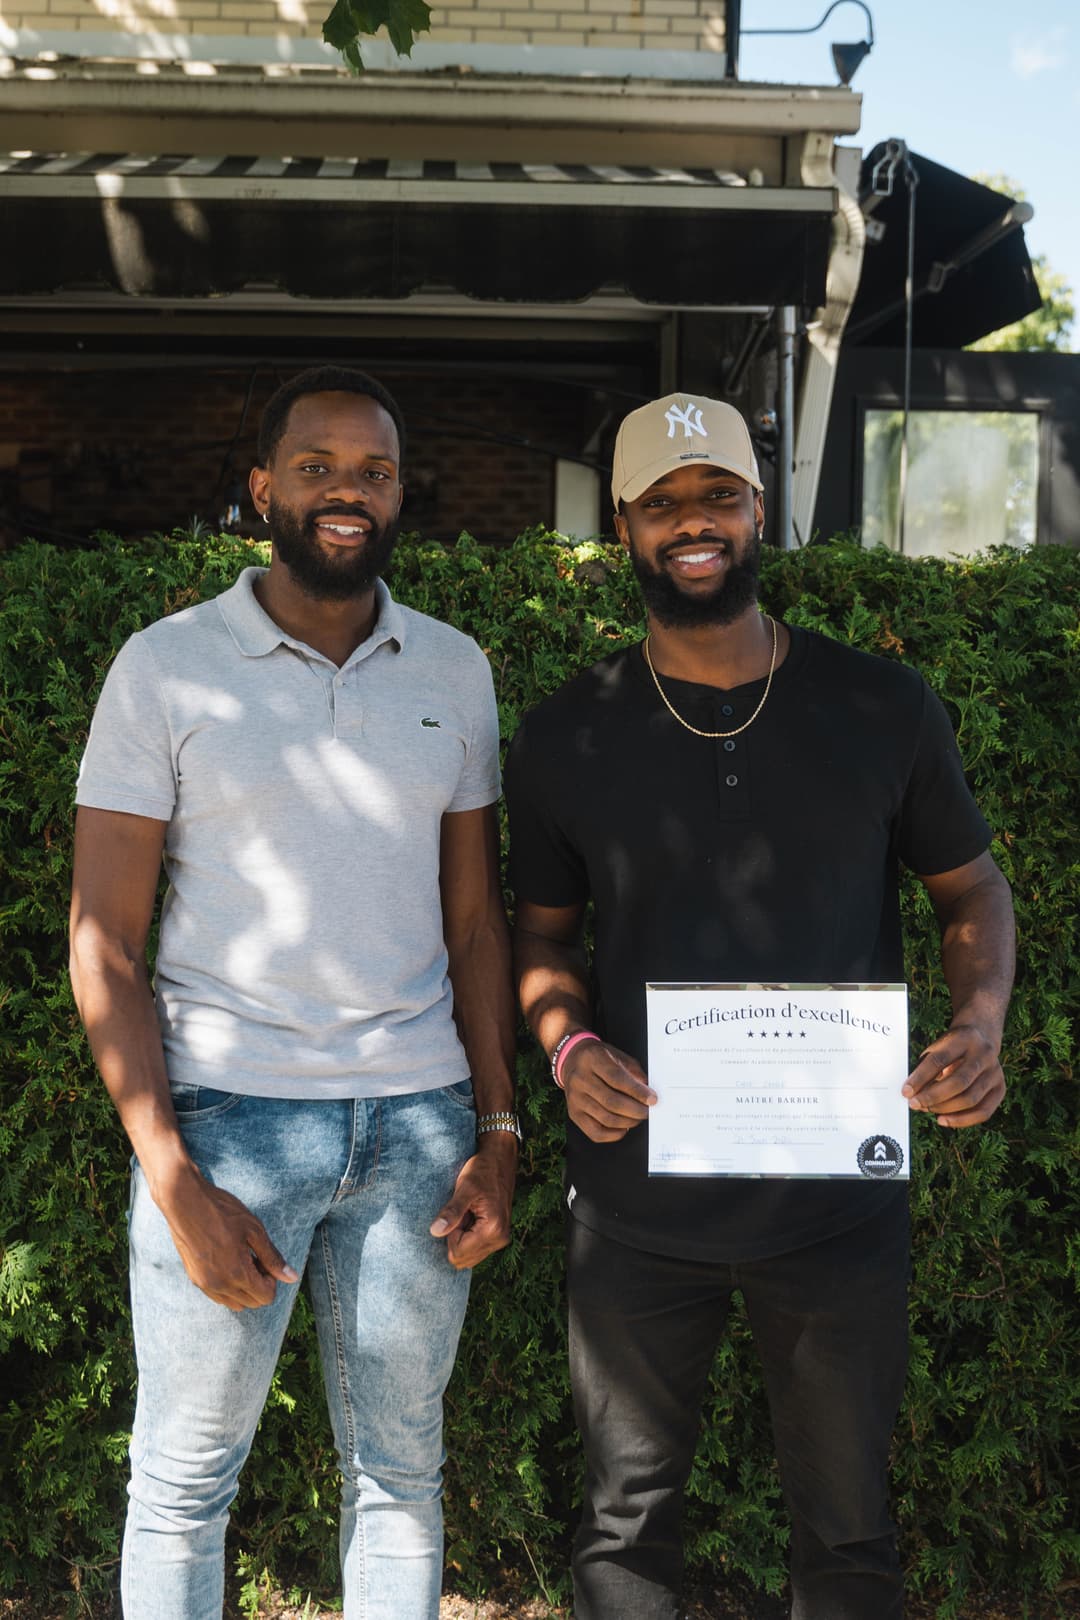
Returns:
point(785, 443)
point(824, 333)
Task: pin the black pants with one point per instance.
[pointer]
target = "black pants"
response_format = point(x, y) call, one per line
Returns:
point(830, 1326)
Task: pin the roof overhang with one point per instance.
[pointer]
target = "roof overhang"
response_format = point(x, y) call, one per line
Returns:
point(189, 75)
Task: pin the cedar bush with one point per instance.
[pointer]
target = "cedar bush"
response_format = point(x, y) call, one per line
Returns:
point(986, 1455)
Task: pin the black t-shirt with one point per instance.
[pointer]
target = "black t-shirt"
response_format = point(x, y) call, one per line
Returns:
point(771, 856)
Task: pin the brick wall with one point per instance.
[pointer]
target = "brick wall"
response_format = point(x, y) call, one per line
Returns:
point(645, 24)
point(140, 451)
point(670, 25)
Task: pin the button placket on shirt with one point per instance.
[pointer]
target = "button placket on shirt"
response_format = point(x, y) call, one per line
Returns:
point(731, 768)
point(345, 690)
point(321, 670)
point(341, 685)
point(348, 705)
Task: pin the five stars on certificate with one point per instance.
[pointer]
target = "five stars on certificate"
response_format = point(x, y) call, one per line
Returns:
point(764, 1034)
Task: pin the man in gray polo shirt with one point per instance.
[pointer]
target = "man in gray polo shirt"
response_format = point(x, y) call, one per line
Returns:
point(321, 1076)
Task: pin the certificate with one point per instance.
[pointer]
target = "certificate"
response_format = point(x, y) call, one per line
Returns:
point(778, 1080)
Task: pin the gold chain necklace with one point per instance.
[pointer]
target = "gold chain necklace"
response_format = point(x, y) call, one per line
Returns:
point(672, 710)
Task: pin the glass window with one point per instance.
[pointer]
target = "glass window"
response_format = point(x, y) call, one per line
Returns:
point(973, 479)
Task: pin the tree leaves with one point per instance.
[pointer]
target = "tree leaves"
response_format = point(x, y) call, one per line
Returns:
point(352, 20)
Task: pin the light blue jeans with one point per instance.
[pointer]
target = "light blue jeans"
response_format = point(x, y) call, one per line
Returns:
point(347, 1190)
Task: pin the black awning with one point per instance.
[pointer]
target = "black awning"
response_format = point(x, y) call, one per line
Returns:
point(972, 269)
point(183, 227)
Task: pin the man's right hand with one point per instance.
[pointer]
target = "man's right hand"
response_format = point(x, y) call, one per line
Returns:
point(607, 1092)
point(225, 1249)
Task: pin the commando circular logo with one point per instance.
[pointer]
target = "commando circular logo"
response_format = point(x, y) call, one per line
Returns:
point(880, 1158)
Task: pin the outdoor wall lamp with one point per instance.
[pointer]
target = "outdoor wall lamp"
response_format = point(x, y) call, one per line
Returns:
point(846, 58)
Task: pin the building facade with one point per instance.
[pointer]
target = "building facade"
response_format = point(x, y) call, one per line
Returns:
point(553, 210)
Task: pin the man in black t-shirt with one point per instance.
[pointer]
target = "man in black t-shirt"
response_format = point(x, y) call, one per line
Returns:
point(735, 797)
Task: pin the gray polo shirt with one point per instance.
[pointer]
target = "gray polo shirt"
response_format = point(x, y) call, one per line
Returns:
point(301, 950)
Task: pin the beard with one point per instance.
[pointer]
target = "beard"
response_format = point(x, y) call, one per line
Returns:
point(678, 609)
point(319, 573)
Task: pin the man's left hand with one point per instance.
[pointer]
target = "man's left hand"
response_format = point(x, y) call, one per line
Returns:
point(475, 1220)
point(958, 1078)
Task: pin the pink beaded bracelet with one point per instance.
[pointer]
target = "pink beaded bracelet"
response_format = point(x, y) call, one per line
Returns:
point(563, 1050)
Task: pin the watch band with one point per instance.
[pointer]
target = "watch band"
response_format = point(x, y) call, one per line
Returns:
point(499, 1122)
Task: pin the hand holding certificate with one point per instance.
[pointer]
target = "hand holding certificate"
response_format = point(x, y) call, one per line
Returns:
point(778, 1080)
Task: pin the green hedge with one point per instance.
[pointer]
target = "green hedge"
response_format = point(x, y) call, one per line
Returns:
point(986, 1455)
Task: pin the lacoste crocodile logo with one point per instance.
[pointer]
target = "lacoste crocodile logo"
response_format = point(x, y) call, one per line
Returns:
point(427, 722)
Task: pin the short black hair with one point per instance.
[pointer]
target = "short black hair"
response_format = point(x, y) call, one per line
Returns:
point(322, 380)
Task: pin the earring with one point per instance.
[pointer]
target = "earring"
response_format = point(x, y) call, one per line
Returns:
point(266, 519)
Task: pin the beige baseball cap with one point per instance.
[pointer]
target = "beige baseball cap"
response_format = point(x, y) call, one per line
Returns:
point(674, 431)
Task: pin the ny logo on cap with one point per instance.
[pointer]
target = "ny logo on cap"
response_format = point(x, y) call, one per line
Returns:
point(690, 418)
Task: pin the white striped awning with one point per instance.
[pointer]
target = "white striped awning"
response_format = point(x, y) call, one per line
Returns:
point(416, 180)
point(190, 225)
point(25, 164)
